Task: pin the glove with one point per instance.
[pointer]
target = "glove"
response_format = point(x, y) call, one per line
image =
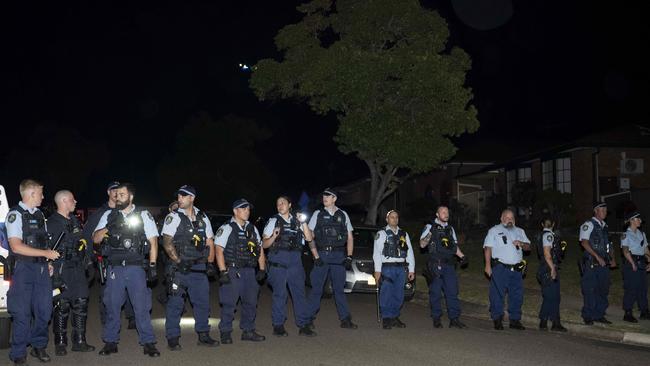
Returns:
point(464, 262)
point(152, 273)
point(224, 279)
point(184, 266)
point(319, 262)
point(347, 262)
point(211, 270)
point(260, 276)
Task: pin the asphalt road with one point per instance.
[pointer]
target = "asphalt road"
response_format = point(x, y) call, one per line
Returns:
point(418, 344)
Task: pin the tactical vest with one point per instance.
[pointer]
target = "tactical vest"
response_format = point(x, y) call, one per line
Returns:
point(242, 248)
point(70, 243)
point(556, 249)
point(599, 239)
point(290, 237)
point(190, 237)
point(331, 230)
point(127, 240)
point(34, 231)
point(395, 245)
point(442, 245)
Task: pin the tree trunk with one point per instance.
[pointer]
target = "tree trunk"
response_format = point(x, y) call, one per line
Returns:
point(381, 177)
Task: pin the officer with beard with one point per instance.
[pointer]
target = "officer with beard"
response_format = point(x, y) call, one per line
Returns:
point(597, 258)
point(239, 252)
point(188, 240)
point(69, 268)
point(89, 228)
point(503, 248)
point(128, 234)
point(440, 238)
point(29, 299)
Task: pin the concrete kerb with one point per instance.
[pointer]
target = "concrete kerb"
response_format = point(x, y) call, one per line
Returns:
point(598, 332)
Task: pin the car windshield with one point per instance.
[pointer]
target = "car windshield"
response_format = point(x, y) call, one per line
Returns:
point(364, 237)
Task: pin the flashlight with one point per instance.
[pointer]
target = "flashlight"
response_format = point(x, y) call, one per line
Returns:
point(301, 217)
point(133, 221)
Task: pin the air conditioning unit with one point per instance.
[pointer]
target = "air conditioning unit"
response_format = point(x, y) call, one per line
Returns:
point(631, 166)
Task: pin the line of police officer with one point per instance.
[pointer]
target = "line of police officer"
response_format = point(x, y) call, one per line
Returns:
point(128, 238)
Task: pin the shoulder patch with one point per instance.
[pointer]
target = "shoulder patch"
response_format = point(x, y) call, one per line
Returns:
point(585, 227)
point(168, 219)
point(150, 216)
point(219, 232)
point(623, 236)
point(11, 218)
point(549, 237)
point(377, 236)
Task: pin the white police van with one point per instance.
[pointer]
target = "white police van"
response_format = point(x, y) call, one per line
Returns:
point(5, 320)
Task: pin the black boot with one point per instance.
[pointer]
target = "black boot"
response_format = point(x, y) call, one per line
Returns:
point(602, 320)
point(498, 324)
point(252, 335)
point(387, 323)
point(173, 344)
point(279, 331)
point(79, 316)
point(398, 323)
point(557, 326)
point(628, 317)
point(516, 324)
point(150, 350)
point(306, 331)
point(348, 324)
point(40, 354)
point(456, 323)
point(206, 340)
point(60, 326)
point(543, 324)
point(437, 323)
point(109, 347)
point(226, 338)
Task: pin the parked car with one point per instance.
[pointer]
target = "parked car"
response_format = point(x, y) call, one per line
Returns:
point(359, 278)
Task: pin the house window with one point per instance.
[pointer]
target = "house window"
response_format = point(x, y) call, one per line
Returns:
point(547, 175)
point(517, 175)
point(563, 175)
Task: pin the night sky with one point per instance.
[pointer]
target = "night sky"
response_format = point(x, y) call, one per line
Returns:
point(131, 75)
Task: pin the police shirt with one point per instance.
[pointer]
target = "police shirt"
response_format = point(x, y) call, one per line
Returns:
point(501, 239)
point(14, 221)
point(150, 229)
point(225, 230)
point(636, 241)
point(270, 227)
point(173, 219)
point(378, 258)
point(547, 238)
point(314, 218)
point(427, 230)
point(588, 227)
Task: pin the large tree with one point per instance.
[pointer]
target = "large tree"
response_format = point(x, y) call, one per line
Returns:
point(384, 67)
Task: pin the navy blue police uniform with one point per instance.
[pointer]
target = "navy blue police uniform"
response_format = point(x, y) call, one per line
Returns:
point(331, 228)
point(124, 250)
point(69, 269)
point(442, 247)
point(550, 308)
point(29, 299)
point(635, 282)
point(393, 258)
point(188, 278)
point(286, 270)
point(595, 278)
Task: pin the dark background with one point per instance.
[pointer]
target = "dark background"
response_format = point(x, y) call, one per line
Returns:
point(130, 75)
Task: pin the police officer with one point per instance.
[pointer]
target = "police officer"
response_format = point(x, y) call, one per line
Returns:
point(634, 244)
point(188, 240)
point(550, 251)
point(440, 239)
point(29, 299)
point(89, 228)
point(597, 257)
point(503, 248)
point(128, 234)
point(394, 263)
point(332, 249)
point(70, 268)
point(238, 254)
point(285, 235)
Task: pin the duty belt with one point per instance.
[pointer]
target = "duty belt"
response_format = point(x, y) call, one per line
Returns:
point(394, 264)
point(638, 258)
point(330, 248)
point(510, 267)
point(25, 258)
point(124, 263)
point(275, 264)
